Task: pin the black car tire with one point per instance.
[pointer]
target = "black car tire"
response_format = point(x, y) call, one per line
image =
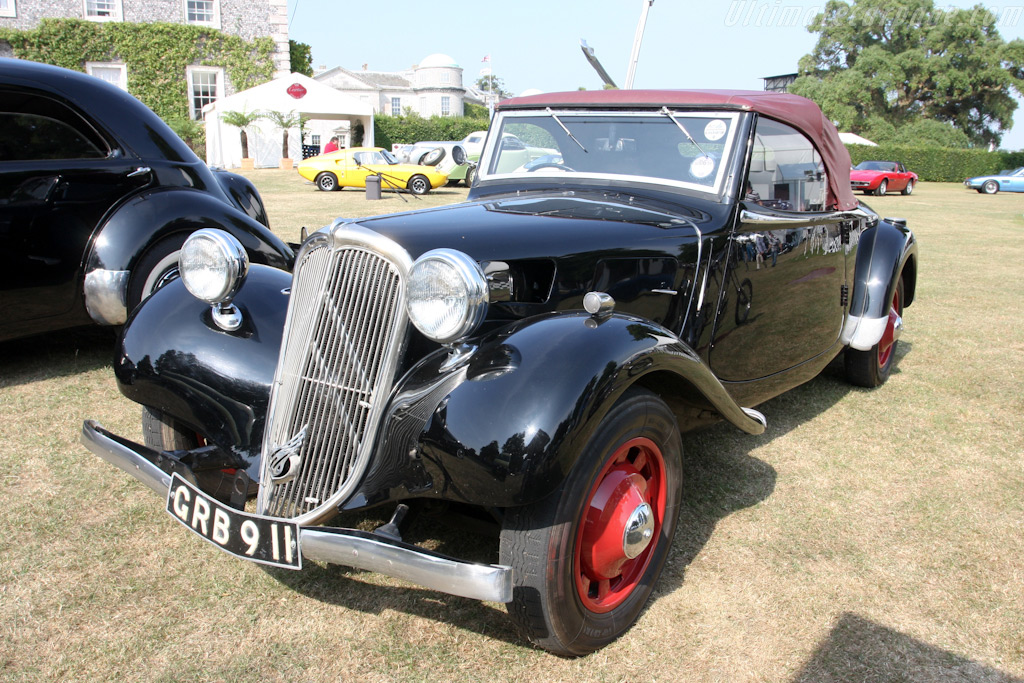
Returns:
point(163, 433)
point(990, 187)
point(419, 184)
point(882, 187)
point(157, 267)
point(470, 174)
point(872, 368)
point(549, 544)
point(909, 188)
point(327, 182)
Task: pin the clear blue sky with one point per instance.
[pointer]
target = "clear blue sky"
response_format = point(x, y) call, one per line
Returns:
point(535, 43)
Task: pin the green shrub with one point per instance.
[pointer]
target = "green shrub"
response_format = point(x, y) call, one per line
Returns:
point(939, 164)
point(411, 127)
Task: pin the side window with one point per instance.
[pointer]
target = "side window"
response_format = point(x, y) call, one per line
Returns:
point(103, 10)
point(786, 171)
point(34, 128)
point(205, 87)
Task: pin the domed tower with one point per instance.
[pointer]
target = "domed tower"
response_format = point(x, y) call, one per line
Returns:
point(437, 82)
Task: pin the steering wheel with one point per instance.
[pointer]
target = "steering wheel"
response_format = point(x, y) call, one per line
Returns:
point(552, 164)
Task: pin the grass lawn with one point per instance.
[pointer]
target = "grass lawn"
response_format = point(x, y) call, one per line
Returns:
point(866, 536)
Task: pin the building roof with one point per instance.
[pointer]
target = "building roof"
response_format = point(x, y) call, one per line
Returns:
point(438, 59)
point(799, 112)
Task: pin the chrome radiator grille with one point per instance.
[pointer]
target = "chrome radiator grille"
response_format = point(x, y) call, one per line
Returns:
point(346, 322)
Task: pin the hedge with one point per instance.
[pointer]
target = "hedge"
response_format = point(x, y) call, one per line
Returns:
point(410, 128)
point(939, 164)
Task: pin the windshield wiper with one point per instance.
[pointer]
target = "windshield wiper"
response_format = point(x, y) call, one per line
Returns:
point(567, 132)
point(666, 112)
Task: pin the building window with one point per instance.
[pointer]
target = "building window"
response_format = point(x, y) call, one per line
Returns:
point(203, 12)
point(115, 74)
point(446, 77)
point(396, 106)
point(103, 10)
point(314, 140)
point(204, 87)
point(446, 105)
point(8, 8)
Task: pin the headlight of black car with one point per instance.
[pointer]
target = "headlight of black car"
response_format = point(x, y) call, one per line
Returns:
point(447, 295)
point(213, 265)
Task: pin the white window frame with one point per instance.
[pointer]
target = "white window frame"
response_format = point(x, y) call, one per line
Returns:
point(118, 14)
point(446, 105)
point(122, 79)
point(191, 72)
point(8, 8)
point(396, 106)
point(213, 23)
point(446, 77)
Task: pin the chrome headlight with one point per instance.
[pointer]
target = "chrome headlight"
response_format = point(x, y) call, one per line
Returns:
point(213, 265)
point(447, 295)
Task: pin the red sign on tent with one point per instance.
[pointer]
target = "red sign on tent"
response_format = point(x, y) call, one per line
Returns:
point(297, 91)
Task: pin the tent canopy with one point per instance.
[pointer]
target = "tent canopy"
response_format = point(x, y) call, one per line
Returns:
point(329, 112)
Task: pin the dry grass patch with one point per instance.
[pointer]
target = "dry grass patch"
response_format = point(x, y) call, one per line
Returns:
point(867, 536)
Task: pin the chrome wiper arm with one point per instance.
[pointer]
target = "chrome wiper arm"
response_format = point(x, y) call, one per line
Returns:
point(666, 112)
point(567, 131)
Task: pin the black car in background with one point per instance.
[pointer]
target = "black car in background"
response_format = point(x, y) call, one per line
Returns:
point(97, 196)
point(531, 354)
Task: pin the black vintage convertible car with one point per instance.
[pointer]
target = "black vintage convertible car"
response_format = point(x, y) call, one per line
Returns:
point(533, 352)
point(97, 196)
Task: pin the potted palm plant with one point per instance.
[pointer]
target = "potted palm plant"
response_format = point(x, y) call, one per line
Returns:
point(284, 122)
point(242, 120)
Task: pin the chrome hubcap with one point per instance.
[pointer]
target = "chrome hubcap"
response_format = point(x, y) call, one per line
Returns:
point(639, 531)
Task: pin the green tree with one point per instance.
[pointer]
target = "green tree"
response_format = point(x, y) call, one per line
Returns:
point(241, 120)
point(284, 122)
point(492, 84)
point(301, 58)
point(903, 61)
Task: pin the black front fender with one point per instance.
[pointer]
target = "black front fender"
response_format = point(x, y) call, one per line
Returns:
point(175, 359)
point(504, 427)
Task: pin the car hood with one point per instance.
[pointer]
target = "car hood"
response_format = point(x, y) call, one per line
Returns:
point(866, 175)
point(548, 225)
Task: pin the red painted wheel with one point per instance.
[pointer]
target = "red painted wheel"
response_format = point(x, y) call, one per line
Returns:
point(888, 341)
point(872, 368)
point(623, 515)
point(586, 557)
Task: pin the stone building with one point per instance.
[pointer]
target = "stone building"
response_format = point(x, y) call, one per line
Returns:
point(432, 87)
point(248, 19)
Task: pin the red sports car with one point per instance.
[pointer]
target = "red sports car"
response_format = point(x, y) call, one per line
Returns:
point(879, 177)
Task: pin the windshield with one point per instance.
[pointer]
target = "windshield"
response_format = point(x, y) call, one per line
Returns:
point(685, 149)
point(875, 166)
point(375, 158)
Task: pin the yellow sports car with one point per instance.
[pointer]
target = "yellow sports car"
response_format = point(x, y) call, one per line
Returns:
point(349, 168)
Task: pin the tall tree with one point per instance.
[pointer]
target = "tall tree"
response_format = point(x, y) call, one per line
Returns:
point(905, 60)
point(301, 57)
point(493, 84)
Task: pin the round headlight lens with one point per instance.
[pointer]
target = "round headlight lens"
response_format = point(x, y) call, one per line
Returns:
point(447, 295)
point(213, 265)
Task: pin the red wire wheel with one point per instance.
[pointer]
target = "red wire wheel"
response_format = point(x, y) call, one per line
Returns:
point(621, 524)
point(886, 344)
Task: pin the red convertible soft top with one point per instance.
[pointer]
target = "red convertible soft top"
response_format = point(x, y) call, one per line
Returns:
point(799, 112)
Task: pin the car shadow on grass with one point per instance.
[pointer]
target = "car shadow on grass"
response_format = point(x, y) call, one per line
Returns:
point(56, 354)
point(858, 649)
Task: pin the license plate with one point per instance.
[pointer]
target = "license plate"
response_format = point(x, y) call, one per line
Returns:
point(267, 540)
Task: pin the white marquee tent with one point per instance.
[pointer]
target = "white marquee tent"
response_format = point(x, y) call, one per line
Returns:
point(329, 112)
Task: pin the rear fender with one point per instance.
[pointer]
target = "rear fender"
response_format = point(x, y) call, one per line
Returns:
point(173, 358)
point(884, 252)
point(504, 427)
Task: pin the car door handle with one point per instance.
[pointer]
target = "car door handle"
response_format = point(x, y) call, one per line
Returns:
point(141, 170)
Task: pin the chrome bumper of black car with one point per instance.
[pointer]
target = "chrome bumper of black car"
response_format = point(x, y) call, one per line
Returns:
point(348, 547)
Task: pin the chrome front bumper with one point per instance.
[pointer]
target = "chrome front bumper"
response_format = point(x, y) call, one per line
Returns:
point(348, 547)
